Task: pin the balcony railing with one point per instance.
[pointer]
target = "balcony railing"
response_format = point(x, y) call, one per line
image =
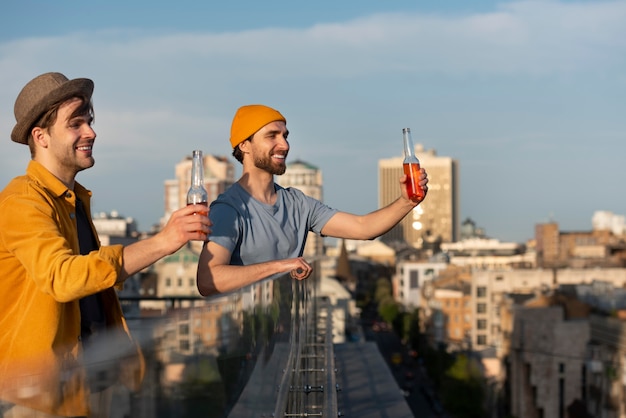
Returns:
point(263, 351)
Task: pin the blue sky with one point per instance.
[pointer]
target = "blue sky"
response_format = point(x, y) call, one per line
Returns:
point(528, 96)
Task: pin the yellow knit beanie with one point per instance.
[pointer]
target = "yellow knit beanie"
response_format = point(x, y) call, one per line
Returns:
point(249, 119)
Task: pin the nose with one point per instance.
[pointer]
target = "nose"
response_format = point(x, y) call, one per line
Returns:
point(282, 142)
point(89, 132)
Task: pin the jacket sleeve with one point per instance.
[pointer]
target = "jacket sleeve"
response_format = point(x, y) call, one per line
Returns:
point(40, 232)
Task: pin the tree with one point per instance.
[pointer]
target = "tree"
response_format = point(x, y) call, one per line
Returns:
point(463, 392)
point(388, 309)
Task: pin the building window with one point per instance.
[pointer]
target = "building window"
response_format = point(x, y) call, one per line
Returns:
point(481, 307)
point(413, 279)
point(481, 324)
point(481, 340)
point(183, 329)
point(168, 282)
point(561, 397)
point(481, 291)
point(184, 345)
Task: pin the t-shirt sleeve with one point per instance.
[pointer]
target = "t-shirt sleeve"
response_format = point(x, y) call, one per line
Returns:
point(225, 230)
point(320, 214)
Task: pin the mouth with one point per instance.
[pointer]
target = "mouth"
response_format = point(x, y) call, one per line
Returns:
point(280, 157)
point(84, 148)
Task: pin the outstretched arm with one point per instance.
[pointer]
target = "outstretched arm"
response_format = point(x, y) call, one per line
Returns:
point(188, 223)
point(216, 275)
point(374, 224)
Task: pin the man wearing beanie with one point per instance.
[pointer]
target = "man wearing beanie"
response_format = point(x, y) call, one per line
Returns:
point(64, 342)
point(260, 228)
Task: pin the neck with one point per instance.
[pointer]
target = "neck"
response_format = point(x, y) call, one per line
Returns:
point(260, 186)
point(57, 171)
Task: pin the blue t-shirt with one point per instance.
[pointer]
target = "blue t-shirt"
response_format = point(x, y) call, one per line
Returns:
point(256, 232)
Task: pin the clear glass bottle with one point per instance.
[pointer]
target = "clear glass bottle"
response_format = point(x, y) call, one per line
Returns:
point(197, 194)
point(411, 167)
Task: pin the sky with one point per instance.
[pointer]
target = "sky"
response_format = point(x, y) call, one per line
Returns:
point(528, 96)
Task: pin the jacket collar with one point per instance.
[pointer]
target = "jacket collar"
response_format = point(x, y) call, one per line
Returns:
point(49, 182)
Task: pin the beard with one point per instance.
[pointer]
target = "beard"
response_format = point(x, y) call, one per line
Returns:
point(268, 164)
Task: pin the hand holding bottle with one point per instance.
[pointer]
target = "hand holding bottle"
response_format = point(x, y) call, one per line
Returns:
point(197, 194)
point(416, 180)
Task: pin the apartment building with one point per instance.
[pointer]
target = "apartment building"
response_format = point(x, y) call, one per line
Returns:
point(546, 359)
point(410, 283)
point(437, 218)
point(600, 247)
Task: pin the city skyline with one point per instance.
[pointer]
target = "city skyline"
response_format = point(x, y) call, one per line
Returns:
point(527, 96)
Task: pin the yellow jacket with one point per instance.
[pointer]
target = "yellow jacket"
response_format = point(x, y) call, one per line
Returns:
point(42, 278)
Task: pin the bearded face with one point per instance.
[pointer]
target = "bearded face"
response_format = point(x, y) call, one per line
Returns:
point(273, 163)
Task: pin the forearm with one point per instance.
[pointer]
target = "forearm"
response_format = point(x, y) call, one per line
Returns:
point(225, 278)
point(382, 220)
point(365, 227)
point(141, 254)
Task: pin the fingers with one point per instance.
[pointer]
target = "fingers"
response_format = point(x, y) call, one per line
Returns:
point(191, 223)
point(302, 271)
point(423, 180)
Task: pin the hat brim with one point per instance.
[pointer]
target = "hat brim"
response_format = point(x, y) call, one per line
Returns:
point(79, 87)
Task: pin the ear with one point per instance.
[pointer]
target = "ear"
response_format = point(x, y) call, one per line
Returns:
point(243, 146)
point(40, 136)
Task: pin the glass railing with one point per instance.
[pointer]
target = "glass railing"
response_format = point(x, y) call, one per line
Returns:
point(261, 351)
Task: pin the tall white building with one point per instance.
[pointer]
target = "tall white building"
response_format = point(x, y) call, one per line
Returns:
point(437, 217)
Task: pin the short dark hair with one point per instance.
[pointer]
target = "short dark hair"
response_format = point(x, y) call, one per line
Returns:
point(237, 152)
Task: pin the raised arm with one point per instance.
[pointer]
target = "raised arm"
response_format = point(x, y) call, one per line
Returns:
point(374, 224)
point(216, 275)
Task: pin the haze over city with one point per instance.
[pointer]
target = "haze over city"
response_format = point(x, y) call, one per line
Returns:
point(528, 96)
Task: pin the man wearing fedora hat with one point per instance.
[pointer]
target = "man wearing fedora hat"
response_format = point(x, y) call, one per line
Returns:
point(58, 305)
point(260, 228)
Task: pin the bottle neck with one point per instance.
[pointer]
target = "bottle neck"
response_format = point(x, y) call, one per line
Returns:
point(409, 149)
point(197, 171)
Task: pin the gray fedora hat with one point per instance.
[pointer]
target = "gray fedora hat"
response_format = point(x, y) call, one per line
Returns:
point(39, 95)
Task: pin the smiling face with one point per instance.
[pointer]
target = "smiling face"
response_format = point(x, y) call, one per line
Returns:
point(269, 148)
point(65, 148)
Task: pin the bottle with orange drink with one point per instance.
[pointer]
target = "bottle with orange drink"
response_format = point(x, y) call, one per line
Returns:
point(411, 166)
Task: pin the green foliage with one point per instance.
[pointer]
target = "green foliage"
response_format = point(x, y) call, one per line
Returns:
point(414, 335)
point(436, 362)
point(383, 290)
point(462, 390)
point(388, 309)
